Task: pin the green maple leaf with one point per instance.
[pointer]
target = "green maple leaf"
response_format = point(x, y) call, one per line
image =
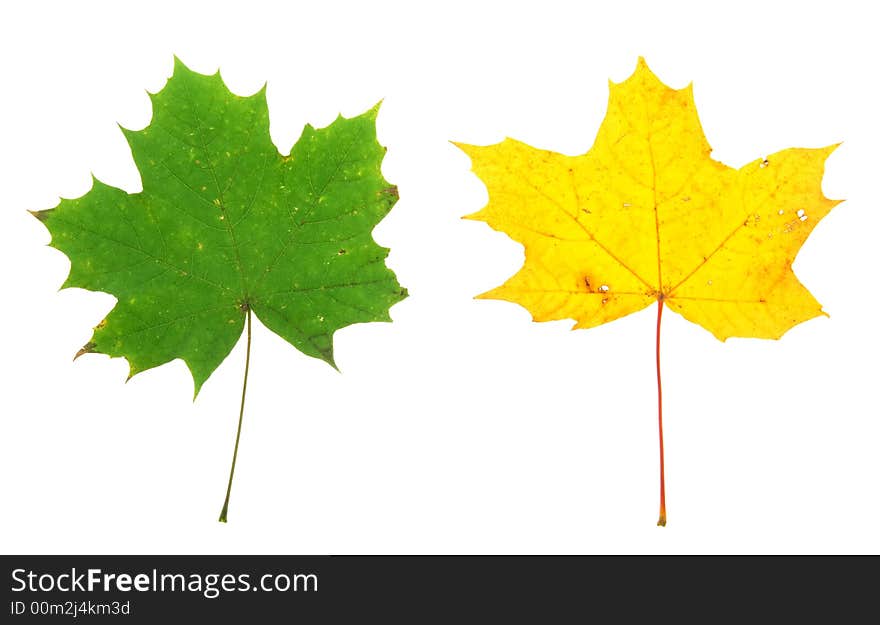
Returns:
point(225, 226)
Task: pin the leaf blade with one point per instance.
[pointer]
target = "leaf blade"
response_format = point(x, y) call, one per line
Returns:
point(189, 255)
point(647, 214)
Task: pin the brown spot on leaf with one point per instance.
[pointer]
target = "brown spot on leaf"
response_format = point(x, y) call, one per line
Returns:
point(392, 190)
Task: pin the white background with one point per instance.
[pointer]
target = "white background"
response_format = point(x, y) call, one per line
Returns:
point(462, 426)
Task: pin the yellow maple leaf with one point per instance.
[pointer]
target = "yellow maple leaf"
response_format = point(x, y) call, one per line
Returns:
point(646, 215)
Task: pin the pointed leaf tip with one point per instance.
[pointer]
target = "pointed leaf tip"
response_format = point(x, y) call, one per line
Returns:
point(330, 359)
point(643, 69)
point(830, 149)
point(467, 148)
point(182, 69)
point(373, 111)
point(88, 348)
point(42, 215)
